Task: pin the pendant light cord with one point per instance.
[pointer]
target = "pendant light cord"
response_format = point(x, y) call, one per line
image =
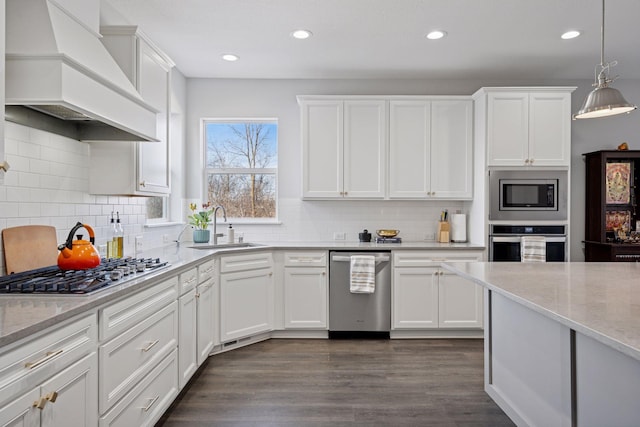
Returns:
point(602, 38)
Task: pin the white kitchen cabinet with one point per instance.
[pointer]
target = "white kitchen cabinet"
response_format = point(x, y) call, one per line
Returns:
point(305, 290)
point(431, 148)
point(527, 126)
point(207, 309)
point(67, 399)
point(136, 168)
point(344, 148)
point(43, 380)
point(246, 295)
point(136, 333)
point(187, 341)
point(2, 79)
point(427, 297)
point(187, 332)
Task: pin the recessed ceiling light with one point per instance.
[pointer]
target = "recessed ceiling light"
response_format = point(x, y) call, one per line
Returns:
point(437, 34)
point(301, 34)
point(570, 35)
point(230, 57)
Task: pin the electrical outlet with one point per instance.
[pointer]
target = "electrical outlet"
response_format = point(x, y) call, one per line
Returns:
point(138, 243)
point(339, 235)
point(165, 238)
point(430, 236)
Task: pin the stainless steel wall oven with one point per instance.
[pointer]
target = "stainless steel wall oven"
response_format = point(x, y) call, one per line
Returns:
point(504, 241)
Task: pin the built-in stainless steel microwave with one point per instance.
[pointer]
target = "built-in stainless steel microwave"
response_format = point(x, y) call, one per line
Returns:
point(528, 195)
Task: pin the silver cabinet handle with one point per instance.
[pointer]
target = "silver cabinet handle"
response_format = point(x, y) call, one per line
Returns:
point(343, 258)
point(50, 355)
point(150, 346)
point(151, 403)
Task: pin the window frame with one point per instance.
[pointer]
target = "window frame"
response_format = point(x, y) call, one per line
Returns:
point(240, 171)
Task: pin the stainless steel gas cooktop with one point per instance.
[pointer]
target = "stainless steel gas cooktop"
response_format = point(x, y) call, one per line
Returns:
point(53, 281)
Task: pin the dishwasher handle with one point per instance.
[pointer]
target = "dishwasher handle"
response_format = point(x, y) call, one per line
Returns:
point(344, 258)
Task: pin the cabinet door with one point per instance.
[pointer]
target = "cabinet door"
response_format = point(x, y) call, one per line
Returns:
point(305, 297)
point(205, 320)
point(507, 129)
point(365, 149)
point(154, 82)
point(409, 149)
point(549, 129)
point(322, 149)
point(415, 298)
point(76, 395)
point(452, 149)
point(460, 302)
point(187, 348)
point(21, 411)
point(246, 303)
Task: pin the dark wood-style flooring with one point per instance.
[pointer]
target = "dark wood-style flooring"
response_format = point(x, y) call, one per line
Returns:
point(340, 383)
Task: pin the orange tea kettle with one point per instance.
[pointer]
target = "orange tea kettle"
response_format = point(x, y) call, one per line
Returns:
point(78, 254)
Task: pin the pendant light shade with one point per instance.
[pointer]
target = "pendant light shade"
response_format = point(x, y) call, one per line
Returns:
point(604, 100)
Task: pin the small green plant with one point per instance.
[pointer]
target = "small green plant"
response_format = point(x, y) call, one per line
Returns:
point(200, 220)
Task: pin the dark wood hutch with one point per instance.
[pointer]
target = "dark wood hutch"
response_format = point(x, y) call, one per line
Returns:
point(612, 219)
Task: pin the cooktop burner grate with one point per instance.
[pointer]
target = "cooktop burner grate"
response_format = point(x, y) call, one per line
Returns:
point(53, 281)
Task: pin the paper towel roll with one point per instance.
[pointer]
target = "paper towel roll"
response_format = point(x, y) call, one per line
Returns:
point(458, 228)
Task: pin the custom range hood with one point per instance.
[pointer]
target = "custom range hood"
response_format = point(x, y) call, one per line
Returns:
point(60, 77)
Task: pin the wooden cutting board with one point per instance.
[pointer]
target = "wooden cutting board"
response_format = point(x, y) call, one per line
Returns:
point(28, 247)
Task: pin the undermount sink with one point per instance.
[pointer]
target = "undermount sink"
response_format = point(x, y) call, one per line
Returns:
point(226, 246)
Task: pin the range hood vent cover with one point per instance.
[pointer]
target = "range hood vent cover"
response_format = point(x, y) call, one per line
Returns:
point(56, 64)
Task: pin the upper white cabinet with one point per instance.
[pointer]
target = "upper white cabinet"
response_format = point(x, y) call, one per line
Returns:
point(344, 146)
point(143, 167)
point(430, 149)
point(527, 126)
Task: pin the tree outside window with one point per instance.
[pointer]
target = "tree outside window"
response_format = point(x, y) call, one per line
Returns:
point(241, 167)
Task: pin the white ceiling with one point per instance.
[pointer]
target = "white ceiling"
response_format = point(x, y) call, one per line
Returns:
point(503, 39)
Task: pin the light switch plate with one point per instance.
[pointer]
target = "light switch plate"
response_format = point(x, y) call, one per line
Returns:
point(339, 235)
point(138, 243)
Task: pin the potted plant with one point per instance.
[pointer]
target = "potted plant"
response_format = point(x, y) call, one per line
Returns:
point(200, 222)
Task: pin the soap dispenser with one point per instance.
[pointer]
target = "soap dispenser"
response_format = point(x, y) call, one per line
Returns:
point(230, 234)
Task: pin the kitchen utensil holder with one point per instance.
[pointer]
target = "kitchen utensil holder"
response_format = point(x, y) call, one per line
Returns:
point(444, 228)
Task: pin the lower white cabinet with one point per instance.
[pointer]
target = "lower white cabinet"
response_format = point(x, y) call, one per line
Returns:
point(52, 380)
point(246, 295)
point(305, 290)
point(427, 297)
point(205, 324)
point(146, 402)
point(139, 332)
point(187, 333)
point(68, 399)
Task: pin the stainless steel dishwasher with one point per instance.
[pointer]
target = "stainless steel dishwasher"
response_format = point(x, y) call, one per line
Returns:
point(359, 315)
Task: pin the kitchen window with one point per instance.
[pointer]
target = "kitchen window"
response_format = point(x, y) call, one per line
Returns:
point(241, 167)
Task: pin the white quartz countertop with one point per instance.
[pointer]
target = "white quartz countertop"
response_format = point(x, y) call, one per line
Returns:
point(600, 300)
point(24, 315)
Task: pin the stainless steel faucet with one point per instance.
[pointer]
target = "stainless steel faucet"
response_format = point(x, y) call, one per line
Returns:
point(181, 233)
point(215, 223)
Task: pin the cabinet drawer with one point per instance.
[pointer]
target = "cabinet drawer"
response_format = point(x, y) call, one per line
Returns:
point(125, 314)
point(148, 400)
point(245, 262)
point(131, 355)
point(432, 258)
point(188, 280)
point(35, 360)
point(305, 259)
point(206, 270)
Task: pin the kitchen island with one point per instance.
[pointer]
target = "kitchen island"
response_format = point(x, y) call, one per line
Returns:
point(562, 340)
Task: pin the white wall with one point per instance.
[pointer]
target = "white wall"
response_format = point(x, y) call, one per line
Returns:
point(317, 219)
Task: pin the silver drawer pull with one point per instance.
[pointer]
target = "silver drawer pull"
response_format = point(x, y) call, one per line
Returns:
point(150, 346)
point(50, 355)
point(151, 403)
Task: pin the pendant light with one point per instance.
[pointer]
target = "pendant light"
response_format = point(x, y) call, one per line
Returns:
point(603, 100)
